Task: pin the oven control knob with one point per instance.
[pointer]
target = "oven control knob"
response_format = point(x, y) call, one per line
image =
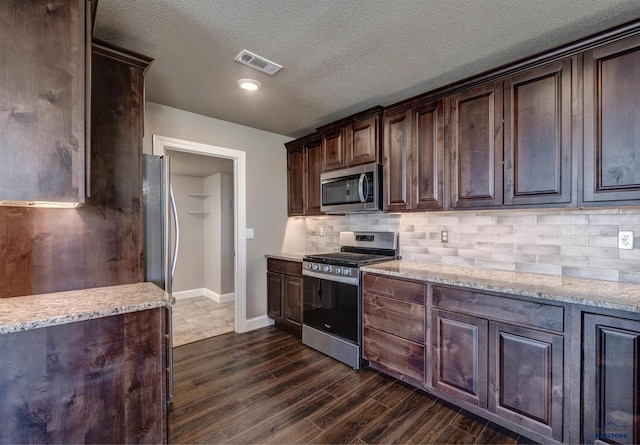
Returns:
point(327, 268)
point(346, 271)
point(309, 266)
point(338, 270)
point(316, 267)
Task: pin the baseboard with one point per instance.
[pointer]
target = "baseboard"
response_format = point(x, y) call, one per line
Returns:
point(204, 292)
point(219, 298)
point(184, 294)
point(258, 322)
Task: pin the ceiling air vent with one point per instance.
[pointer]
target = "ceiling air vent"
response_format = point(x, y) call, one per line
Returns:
point(257, 62)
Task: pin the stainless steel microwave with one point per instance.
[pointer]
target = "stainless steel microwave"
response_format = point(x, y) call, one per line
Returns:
point(355, 189)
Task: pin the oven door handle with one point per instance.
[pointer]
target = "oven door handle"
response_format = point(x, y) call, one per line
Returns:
point(344, 280)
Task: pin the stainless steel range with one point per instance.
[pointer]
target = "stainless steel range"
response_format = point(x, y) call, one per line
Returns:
point(332, 300)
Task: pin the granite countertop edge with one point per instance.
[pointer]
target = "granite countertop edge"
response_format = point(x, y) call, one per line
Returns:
point(287, 256)
point(583, 291)
point(19, 314)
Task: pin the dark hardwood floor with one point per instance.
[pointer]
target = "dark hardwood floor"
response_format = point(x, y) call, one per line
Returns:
point(265, 386)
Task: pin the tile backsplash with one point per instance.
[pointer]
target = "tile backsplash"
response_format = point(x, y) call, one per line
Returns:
point(578, 243)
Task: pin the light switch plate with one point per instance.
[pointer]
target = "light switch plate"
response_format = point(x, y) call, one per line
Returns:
point(248, 233)
point(625, 239)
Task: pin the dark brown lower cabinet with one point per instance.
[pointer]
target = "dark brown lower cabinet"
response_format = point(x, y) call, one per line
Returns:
point(459, 356)
point(502, 354)
point(611, 380)
point(93, 381)
point(284, 294)
point(526, 377)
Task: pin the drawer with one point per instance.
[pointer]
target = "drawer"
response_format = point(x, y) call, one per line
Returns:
point(403, 356)
point(394, 287)
point(396, 317)
point(284, 267)
point(496, 307)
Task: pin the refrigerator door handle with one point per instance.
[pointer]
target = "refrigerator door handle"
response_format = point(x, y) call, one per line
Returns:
point(177, 228)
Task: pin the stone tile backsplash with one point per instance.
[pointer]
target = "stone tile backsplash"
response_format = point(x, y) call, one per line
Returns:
point(577, 243)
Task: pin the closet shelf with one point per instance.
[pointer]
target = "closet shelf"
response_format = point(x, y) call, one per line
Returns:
point(198, 195)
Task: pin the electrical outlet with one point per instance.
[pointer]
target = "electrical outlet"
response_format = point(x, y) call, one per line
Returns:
point(444, 236)
point(321, 231)
point(625, 239)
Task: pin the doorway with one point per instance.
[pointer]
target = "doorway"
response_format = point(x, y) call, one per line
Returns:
point(166, 146)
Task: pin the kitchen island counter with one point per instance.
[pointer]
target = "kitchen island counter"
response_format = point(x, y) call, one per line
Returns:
point(38, 311)
point(597, 293)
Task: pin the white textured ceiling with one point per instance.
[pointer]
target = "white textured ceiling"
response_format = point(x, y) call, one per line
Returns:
point(340, 56)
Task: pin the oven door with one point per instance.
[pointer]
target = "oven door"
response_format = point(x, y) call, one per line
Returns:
point(332, 307)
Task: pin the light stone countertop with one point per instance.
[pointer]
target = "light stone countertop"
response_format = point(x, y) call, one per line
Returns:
point(597, 293)
point(38, 311)
point(287, 256)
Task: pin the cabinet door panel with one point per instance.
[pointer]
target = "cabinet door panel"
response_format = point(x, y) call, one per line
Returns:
point(293, 300)
point(275, 289)
point(525, 371)
point(611, 122)
point(611, 379)
point(363, 142)
point(459, 356)
point(333, 150)
point(476, 147)
point(295, 182)
point(42, 98)
point(397, 179)
point(538, 118)
point(428, 157)
point(313, 164)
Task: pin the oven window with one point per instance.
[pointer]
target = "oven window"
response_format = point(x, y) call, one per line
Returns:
point(331, 307)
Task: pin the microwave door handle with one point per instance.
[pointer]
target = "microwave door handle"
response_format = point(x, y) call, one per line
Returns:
point(363, 176)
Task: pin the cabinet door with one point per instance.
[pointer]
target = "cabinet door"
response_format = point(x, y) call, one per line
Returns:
point(427, 157)
point(363, 142)
point(526, 378)
point(397, 176)
point(275, 291)
point(611, 379)
point(476, 147)
point(537, 139)
point(295, 182)
point(611, 122)
point(313, 164)
point(42, 98)
point(293, 300)
point(333, 150)
point(459, 356)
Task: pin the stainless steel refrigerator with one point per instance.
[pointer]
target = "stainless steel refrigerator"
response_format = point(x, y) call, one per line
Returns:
point(161, 237)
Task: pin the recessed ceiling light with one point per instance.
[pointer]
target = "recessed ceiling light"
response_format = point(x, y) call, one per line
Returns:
point(249, 84)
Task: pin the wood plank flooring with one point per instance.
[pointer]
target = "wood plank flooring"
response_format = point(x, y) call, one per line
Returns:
point(265, 386)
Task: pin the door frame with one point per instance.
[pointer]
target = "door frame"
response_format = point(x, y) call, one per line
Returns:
point(162, 143)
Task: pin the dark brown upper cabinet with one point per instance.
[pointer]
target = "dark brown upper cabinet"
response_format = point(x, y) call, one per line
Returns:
point(475, 118)
point(611, 171)
point(304, 164)
point(354, 140)
point(413, 158)
point(333, 150)
point(313, 168)
point(44, 99)
point(295, 180)
point(363, 142)
point(538, 117)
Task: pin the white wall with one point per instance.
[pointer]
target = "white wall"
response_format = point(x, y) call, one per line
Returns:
point(218, 234)
point(266, 184)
